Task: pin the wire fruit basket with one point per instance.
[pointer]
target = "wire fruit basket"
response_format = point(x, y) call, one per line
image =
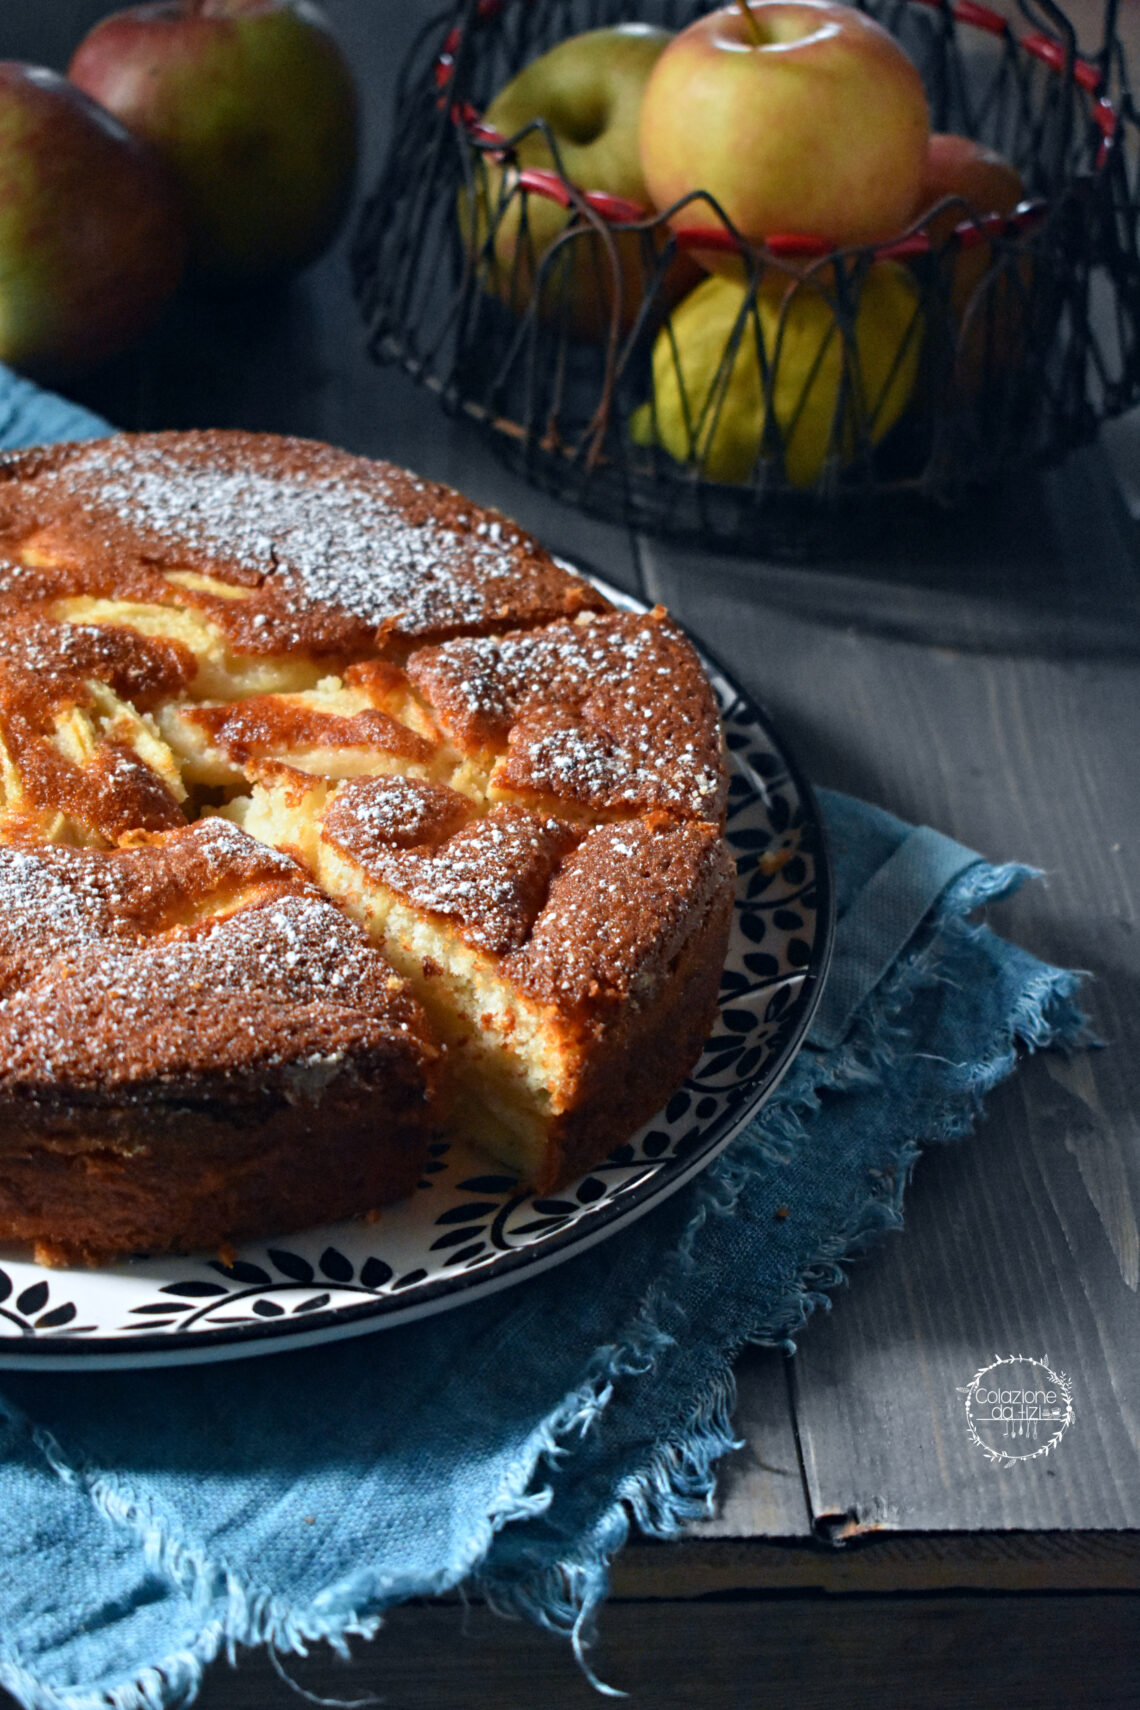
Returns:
point(806, 383)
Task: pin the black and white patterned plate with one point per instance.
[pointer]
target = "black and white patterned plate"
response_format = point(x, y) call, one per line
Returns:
point(468, 1229)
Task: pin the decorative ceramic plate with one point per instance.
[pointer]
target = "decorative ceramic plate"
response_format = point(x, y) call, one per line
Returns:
point(468, 1228)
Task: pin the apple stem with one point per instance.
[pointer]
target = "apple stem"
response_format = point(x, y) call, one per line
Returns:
point(753, 26)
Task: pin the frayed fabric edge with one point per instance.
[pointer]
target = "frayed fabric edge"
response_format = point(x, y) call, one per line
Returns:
point(677, 1484)
point(253, 1616)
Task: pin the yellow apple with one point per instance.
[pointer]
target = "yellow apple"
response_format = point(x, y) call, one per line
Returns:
point(797, 116)
point(588, 89)
point(824, 396)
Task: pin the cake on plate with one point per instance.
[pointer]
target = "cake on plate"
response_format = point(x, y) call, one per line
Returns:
point(333, 813)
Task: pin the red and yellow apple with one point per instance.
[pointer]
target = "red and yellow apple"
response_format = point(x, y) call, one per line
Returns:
point(92, 236)
point(987, 304)
point(253, 108)
point(797, 116)
point(744, 375)
point(982, 180)
point(588, 89)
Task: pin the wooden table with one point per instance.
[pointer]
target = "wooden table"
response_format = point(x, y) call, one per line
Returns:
point(981, 677)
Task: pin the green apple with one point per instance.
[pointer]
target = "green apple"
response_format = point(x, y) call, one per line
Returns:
point(253, 108)
point(588, 89)
point(92, 238)
point(798, 116)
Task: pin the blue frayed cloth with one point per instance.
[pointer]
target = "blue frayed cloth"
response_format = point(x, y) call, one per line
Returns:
point(153, 1524)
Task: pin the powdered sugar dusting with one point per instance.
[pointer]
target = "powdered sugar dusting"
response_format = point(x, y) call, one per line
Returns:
point(619, 911)
point(611, 713)
point(289, 981)
point(201, 966)
point(41, 903)
point(341, 533)
point(490, 878)
point(378, 814)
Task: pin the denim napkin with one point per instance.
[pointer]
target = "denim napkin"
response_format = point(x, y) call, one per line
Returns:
point(154, 1522)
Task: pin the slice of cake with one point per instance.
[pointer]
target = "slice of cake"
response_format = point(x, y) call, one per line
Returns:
point(600, 717)
point(567, 968)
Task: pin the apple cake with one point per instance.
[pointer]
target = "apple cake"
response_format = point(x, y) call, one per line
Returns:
point(333, 812)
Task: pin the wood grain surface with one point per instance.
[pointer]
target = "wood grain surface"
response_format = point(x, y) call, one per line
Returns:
point(979, 672)
point(1023, 1238)
point(738, 1653)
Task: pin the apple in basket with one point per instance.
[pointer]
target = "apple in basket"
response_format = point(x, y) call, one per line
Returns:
point(92, 238)
point(253, 108)
point(990, 288)
point(797, 116)
point(982, 182)
point(588, 90)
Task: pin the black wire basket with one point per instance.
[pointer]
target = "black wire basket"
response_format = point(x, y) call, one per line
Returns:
point(999, 341)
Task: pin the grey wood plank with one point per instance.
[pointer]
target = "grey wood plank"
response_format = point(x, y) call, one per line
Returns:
point(1045, 565)
point(792, 1654)
point(760, 1489)
point(981, 1272)
point(869, 1563)
point(708, 1639)
point(1024, 1239)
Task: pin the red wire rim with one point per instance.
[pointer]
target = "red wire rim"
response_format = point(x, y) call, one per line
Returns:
point(619, 211)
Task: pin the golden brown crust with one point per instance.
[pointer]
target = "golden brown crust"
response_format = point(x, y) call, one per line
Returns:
point(329, 548)
point(613, 715)
point(200, 967)
point(371, 817)
point(489, 877)
point(616, 936)
point(201, 1181)
point(110, 795)
point(627, 952)
point(633, 1066)
point(269, 724)
point(46, 664)
point(184, 1028)
point(196, 1044)
point(619, 912)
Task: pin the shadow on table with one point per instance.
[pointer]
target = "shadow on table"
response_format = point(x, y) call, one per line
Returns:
point(1047, 565)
